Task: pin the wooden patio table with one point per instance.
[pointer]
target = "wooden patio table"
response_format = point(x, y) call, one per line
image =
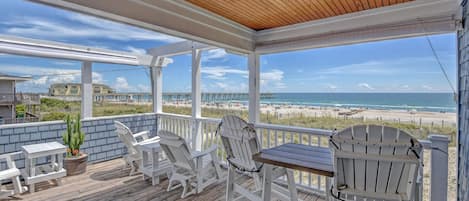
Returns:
point(313, 159)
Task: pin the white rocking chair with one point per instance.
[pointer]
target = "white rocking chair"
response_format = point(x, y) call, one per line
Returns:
point(130, 140)
point(191, 170)
point(240, 142)
point(12, 173)
point(375, 163)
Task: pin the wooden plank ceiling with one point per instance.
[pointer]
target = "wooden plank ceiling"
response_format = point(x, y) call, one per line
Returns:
point(265, 14)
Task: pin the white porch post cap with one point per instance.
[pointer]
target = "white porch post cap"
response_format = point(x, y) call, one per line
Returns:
point(154, 61)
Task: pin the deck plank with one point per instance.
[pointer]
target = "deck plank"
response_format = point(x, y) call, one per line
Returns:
point(107, 181)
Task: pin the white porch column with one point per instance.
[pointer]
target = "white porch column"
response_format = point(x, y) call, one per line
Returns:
point(157, 89)
point(86, 90)
point(196, 100)
point(254, 87)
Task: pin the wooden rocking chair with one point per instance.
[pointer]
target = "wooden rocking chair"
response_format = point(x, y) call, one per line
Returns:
point(191, 170)
point(375, 163)
point(240, 142)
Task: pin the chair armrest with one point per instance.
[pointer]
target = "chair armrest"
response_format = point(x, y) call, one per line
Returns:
point(143, 135)
point(8, 158)
point(211, 149)
point(9, 155)
point(156, 138)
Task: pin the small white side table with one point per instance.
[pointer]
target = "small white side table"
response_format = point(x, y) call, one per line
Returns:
point(151, 165)
point(33, 173)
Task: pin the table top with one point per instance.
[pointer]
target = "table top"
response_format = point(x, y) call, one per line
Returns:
point(43, 147)
point(150, 144)
point(317, 160)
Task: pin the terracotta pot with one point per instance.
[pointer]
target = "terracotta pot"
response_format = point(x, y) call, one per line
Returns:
point(76, 165)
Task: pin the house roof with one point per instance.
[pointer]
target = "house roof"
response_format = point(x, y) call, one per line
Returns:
point(14, 78)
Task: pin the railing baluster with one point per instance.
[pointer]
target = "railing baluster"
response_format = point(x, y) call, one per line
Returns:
point(276, 138)
point(268, 138)
point(283, 137)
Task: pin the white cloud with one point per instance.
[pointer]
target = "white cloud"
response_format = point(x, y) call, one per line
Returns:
point(40, 81)
point(270, 80)
point(66, 63)
point(121, 84)
point(405, 86)
point(136, 50)
point(214, 54)
point(383, 67)
point(229, 87)
point(86, 27)
point(427, 87)
point(365, 86)
point(331, 86)
point(44, 76)
point(143, 88)
point(220, 72)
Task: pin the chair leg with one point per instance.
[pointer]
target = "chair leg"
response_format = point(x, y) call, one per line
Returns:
point(216, 164)
point(292, 186)
point(200, 180)
point(133, 168)
point(17, 185)
point(230, 184)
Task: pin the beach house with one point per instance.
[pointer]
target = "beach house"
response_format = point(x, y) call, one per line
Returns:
point(10, 98)
point(250, 29)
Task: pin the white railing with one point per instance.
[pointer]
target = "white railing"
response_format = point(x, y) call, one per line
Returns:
point(274, 135)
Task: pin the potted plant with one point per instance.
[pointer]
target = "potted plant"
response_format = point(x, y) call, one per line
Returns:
point(75, 161)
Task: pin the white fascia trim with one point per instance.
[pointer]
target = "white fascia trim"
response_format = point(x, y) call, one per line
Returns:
point(420, 27)
point(48, 49)
point(184, 47)
point(378, 16)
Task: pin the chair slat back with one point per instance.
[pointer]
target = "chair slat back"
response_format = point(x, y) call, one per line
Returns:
point(394, 174)
point(126, 136)
point(240, 142)
point(176, 150)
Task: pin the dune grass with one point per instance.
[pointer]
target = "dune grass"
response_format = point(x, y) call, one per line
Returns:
point(52, 109)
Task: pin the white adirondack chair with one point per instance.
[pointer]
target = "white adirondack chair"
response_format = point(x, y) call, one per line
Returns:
point(240, 142)
point(130, 140)
point(375, 163)
point(11, 173)
point(191, 170)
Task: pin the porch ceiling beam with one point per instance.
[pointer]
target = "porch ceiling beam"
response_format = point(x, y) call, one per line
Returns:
point(184, 47)
point(413, 28)
point(56, 50)
point(400, 13)
point(173, 17)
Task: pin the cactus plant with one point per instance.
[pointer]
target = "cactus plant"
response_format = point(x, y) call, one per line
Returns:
point(73, 137)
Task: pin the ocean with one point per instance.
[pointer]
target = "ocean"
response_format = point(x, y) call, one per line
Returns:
point(434, 102)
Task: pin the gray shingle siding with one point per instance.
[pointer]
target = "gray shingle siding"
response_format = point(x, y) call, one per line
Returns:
point(101, 142)
point(463, 111)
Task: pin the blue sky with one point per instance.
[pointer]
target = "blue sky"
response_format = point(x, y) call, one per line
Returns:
point(404, 65)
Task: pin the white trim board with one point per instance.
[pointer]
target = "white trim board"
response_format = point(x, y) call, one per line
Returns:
point(56, 50)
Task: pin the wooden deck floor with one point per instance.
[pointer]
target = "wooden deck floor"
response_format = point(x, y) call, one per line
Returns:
point(107, 181)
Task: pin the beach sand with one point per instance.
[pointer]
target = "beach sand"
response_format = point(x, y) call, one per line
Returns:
point(286, 111)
